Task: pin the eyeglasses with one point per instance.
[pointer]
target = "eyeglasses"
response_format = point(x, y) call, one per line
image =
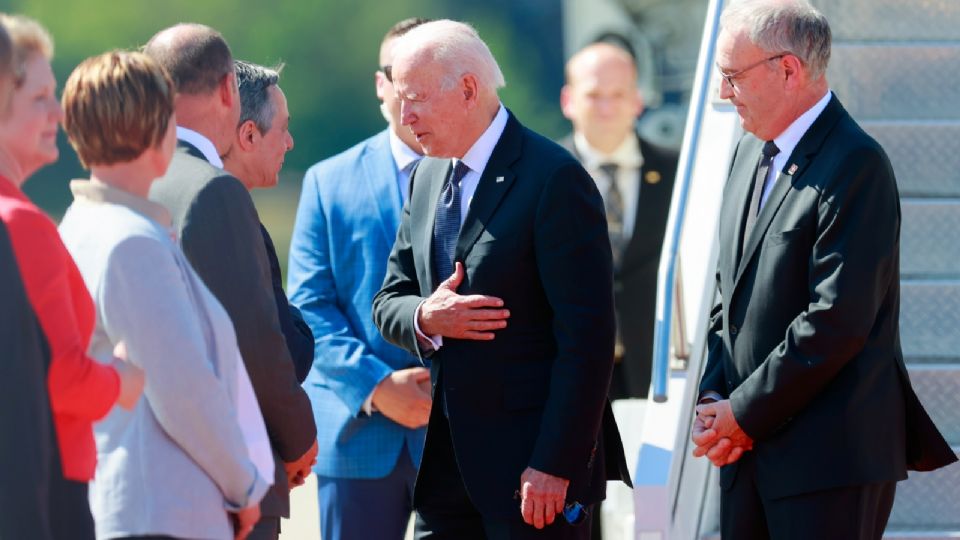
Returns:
point(387, 72)
point(729, 77)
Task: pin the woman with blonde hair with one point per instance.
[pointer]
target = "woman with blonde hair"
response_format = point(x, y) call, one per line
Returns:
point(80, 389)
point(196, 449)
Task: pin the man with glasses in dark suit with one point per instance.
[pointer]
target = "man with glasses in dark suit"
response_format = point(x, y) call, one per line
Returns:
point(805, 402)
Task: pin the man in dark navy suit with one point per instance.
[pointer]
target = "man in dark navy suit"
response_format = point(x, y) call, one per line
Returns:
point(501, 274)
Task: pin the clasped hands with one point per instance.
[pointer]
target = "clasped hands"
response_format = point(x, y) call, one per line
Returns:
point(718, 435)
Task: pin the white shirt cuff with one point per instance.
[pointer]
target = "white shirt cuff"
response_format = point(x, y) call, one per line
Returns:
point(435, 341)
point(368, 408)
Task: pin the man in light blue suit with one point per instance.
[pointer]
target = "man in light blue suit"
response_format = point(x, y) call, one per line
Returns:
point(371, 400)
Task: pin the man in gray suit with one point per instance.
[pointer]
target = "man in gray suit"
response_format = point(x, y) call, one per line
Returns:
point(219, 230)
point(805, 402)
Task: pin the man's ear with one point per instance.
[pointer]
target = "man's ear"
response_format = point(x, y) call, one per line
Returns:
point(794, 71)
point(470, 89)
point(381, 83)
point(228, 89)
point(247, 135)
point(566, 103)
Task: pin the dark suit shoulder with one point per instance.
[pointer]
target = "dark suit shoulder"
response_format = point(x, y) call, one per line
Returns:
point(548, 152)
point(656, 152)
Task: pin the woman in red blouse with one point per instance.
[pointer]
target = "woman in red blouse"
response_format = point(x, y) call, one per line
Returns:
point(81, 390)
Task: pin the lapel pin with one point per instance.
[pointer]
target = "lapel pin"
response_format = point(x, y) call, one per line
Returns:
point(499, 179)
point(652, 177)
point(793, 168)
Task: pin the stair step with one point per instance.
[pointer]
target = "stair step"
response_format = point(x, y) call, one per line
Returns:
point(929, 500)
point(927, 250)
point(897, 81)
point(922, 535)
point(891, 19)
point(930, 319)
point(924, 155)
point(938, 387)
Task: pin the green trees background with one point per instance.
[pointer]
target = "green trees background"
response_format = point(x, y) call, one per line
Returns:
point(330, 49)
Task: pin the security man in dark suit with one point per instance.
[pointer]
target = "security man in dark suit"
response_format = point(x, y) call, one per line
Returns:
point(501, 274)
point(805, 402)
point(635, 179)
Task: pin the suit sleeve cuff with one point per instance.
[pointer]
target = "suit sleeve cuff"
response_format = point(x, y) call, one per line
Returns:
point(426, 343)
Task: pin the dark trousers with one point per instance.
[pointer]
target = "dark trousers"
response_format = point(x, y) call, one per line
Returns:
point(70, 516)
point(857, 512)
point(358, 508)
point(445, 511)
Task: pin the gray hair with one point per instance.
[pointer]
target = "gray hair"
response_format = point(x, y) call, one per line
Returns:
point(254, 82)
point(456, 46)
point(793, 27)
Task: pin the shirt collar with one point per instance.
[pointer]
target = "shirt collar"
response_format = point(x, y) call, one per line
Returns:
point(403, 155)
point(626, 155)
point(789, 139)
point(98, 193)
point(203, 144)
point(479, 154)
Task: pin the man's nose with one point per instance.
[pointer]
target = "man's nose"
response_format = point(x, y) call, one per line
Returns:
point(726, 89)
point(407, 115)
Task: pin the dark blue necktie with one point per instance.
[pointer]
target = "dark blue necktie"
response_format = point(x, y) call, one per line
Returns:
point(446, 228)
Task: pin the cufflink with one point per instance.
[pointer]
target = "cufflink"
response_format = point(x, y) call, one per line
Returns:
point(652, 177)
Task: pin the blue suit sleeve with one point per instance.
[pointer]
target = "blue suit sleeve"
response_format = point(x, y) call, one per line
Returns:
point(342, 361)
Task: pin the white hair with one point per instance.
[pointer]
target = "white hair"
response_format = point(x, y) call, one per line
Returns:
point(457, 47)
point(792, 26)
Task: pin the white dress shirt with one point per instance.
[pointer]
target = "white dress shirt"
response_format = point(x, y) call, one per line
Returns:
point(203, 144)
point(405, 158)
point(629, 160)
point(788, 140)
point(476, 159)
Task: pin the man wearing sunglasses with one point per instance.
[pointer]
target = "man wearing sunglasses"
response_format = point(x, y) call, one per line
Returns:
point(371, 399)
point(805, 403)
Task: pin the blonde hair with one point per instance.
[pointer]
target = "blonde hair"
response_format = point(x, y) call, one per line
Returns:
point(28, 37)
point(116, 106)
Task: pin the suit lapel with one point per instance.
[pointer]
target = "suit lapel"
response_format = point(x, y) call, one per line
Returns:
point(380, 177)
point(738, 193)
point(495, 182)
point(797, 164)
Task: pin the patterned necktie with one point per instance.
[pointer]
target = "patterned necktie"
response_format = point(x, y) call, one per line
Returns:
point(446, 228)
point(759, 181)
point(613, 205)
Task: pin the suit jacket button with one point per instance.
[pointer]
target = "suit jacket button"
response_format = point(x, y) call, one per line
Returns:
point(733, 329)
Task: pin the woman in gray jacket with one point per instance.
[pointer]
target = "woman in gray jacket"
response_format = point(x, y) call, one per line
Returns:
point(192, 459)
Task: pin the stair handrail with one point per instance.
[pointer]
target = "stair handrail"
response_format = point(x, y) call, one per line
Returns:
point(667, 275)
